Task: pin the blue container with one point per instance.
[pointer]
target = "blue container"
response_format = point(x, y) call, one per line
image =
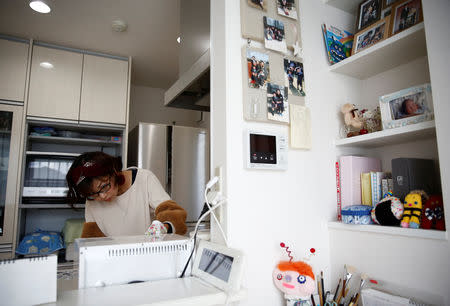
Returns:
point(357, 214)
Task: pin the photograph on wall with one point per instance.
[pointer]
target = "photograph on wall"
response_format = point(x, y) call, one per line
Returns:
point(260, 4)
point(274, 37)
point(369, 12)
point(287, 8)
point(294, 78)
point(258, 72)
point(407, 14)
point(277, 103)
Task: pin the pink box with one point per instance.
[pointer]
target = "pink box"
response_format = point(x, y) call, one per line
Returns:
point(350, 169)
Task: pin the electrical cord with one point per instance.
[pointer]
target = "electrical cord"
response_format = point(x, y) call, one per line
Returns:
point(194, 237)
point(215, 218)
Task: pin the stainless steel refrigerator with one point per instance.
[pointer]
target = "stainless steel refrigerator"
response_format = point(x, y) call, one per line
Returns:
point(178, 156)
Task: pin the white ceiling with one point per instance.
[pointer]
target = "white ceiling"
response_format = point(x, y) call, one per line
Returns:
point(153, 26)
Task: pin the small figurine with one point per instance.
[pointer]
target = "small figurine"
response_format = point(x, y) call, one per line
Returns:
point(352, 120)
point(295, 280)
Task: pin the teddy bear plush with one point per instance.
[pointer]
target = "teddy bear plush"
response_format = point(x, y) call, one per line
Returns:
point(352, 120)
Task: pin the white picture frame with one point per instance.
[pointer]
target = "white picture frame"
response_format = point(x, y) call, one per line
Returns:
point(408, 106)
point(231, 282)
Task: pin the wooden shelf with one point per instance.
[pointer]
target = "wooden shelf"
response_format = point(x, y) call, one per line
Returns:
point(389, 230)
point(52, 153)
point(397, 50)
point(412, 132)
point(49, 206)
point(67, 140)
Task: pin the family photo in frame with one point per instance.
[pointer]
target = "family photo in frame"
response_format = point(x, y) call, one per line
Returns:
point(406, 14)
point(407, 106)
point(371, 35)
point(369, 12)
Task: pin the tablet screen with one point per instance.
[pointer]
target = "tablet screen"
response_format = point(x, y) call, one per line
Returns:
point(216, 264)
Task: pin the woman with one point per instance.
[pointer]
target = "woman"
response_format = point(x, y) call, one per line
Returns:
point(120, 202)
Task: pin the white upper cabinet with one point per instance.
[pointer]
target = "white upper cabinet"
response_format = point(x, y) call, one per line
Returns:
point(13, 68)
point(104, 90)
point(55, 83)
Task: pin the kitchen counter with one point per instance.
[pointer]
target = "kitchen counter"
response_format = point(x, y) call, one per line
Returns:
point(187, 291)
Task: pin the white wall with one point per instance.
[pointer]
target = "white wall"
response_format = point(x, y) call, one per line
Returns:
point(194, 27)
point(267, 207)
point(147, 105)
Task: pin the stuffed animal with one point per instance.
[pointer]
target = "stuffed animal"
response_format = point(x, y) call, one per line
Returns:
point(352, 120)
point(388, 211)
point(295, 279)
point(413, 209)
point(433, 213)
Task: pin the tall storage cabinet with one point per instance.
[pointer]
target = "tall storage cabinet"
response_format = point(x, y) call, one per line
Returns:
point(75, 101)
point(55, 83)
point(13, 68)
point(104, 90)
point(10, 135)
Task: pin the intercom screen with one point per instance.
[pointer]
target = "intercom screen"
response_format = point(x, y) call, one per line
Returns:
point(216, 264)
point(263, 149)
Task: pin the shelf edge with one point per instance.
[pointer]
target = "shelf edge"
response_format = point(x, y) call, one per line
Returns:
point(390, 231)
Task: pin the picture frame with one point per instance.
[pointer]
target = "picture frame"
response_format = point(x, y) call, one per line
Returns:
point(386, 12)
point(405, 14)
point(369, 12)
point(387, 3)
point(372, 35)
point(408, 106)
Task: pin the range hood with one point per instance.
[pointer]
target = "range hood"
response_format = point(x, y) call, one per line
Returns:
point(191, 90)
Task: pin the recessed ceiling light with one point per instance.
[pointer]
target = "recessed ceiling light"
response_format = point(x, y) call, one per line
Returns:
point(46, 65)
point(119, 25)
point(179, 39)
point(40, 6)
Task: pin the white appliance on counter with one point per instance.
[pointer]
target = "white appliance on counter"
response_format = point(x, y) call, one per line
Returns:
point(179, 157)
point(127, 259)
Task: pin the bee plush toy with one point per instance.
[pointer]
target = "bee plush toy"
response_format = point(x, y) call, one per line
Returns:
point(413, 208)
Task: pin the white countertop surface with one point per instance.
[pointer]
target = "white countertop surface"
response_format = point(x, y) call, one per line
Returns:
point(179, 291)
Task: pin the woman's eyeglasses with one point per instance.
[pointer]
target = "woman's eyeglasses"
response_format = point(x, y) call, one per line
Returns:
point(103, 189)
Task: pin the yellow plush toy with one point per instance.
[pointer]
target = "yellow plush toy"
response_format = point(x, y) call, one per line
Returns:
point(412, 209)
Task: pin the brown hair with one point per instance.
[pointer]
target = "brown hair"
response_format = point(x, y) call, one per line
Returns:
point(88, 166)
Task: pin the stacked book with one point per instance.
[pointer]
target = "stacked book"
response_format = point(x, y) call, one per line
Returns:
point(374, 185)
